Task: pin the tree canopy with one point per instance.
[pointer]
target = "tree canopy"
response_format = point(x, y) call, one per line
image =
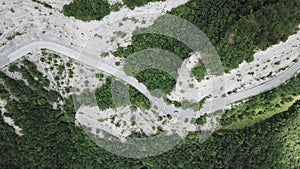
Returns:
point(87, 10)
point(51, 139)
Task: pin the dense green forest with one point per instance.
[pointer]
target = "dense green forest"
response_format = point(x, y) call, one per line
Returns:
point(105, 99)
point(52, 140)
point(88, 10)
point(262, 133)
point(154, 78)
point(236, 29)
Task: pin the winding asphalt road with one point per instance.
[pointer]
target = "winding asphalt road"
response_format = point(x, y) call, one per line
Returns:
point(94, 61)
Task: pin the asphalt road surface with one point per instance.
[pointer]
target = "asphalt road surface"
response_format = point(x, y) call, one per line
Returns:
point(94, 61)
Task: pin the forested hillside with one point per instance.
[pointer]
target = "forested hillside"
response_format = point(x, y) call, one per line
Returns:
point(235, 28)
point(262, 133)
point(51, 139)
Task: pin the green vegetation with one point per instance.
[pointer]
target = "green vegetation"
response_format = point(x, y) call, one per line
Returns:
point(103, 96)
point(136, 3)
point(52, 140)
point(31, 67)
point(120, 34)
point(156, 79)
point(262, 106)
point(105, 99)
point(100, 76)
point(186, 104)
point(138, 135)
point(153, 77)
point(43, 3)
point(137, 99)
point(201, 120)
point(11, 37)
point(199, 72)
point(61, 69)
point(236, 30)
point(262, 133)
point(3, 92)
point(175, 103)
point(239, 27)
point(148, 40)
point(260, 146)
point(87, 10)
point(116, 6)
point(35, 79)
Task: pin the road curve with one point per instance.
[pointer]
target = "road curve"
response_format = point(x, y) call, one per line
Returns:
point(94, 61)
